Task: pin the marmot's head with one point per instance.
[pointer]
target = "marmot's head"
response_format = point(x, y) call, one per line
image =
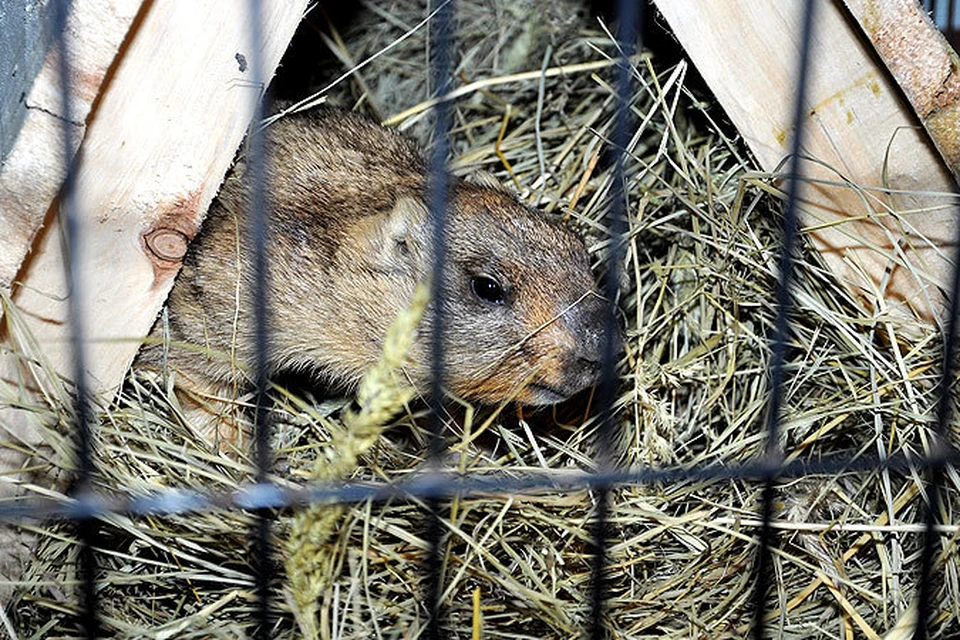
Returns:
point(523, 318)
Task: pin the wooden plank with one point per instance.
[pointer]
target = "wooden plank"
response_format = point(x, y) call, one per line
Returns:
point(880, 205)
point(27, 37)
point(154, 155)
point(33, 169)
point(922, 62)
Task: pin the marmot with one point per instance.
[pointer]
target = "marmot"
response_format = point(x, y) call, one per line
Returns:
point(349, 241)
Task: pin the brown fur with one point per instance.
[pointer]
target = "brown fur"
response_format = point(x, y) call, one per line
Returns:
point(349, 242)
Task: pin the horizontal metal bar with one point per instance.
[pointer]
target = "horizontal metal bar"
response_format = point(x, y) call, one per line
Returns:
point(439, 485)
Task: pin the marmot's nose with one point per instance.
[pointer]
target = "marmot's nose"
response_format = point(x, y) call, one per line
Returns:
point(589, 324)
point(592, 350)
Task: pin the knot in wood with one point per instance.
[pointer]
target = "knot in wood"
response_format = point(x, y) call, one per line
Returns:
point(167, 244)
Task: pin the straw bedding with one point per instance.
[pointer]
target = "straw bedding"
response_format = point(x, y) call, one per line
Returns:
point(698, 307)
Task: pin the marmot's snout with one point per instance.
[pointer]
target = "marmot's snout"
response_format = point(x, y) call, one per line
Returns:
point(583, 365)
point(589, 324)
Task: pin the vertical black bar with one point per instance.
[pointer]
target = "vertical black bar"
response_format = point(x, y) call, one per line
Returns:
point(87, 529)
point(939, 451)
point(261, 549)
point(948, 28)
point(441, 79)
point(629, 16)
point(774, 454)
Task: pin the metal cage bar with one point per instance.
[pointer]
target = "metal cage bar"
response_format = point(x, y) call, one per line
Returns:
point(942, 450)
point(87, 529)
point(774, 452)
point(261, 548)
point(438, 197)
point(440, 485)
point(628, 18)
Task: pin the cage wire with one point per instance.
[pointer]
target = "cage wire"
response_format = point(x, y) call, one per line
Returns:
point(791, 225)
point(441, 82)
point(435, 486)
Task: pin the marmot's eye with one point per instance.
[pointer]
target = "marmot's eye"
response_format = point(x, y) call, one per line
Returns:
point(487, 289)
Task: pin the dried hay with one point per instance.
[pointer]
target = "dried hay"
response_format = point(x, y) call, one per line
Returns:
point(699, 313)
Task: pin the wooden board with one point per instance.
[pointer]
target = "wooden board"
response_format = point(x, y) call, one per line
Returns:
point(923, 64)
point(879, 204)
point(31, 174)
point(158, 146)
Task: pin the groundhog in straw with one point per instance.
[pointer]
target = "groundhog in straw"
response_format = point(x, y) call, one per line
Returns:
point(349, 240)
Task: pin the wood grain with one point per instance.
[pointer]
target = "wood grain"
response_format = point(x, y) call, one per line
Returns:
point(31, 174)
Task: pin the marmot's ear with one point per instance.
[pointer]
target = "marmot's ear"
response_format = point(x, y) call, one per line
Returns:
point(403, 234)
point(407, 218)
point(488, 180)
